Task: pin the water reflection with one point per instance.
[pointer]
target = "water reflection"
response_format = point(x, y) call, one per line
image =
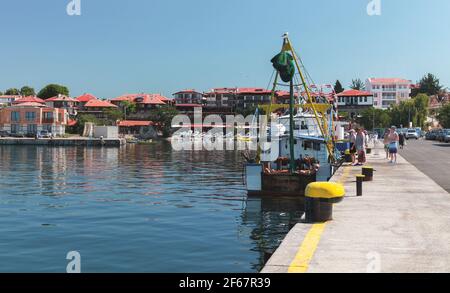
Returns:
point(140, 208)
point(271, 219)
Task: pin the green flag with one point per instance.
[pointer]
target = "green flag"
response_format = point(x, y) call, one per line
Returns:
point(284, 64)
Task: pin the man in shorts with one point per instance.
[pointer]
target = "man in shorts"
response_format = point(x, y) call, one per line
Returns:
point(393, 139)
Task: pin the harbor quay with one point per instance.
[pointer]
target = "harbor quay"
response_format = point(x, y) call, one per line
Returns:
point(398, 225)
point(74, 141)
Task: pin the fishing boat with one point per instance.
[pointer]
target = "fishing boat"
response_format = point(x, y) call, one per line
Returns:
point(300, 146)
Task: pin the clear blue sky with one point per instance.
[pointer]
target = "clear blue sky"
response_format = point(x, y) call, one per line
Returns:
point(118, 47)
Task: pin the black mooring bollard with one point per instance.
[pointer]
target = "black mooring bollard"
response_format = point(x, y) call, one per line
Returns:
point(368, 172)
point(359, 184)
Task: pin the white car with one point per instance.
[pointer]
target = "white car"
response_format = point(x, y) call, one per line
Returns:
point(412, 134)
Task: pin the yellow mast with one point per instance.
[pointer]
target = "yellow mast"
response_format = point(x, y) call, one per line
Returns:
point(322, 124)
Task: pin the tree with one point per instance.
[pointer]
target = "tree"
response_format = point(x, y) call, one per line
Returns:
point(128, 107)
point(374, 117)
point(414, 111)
point(1, 94)
point(245, 111)
point(444, 116)
point(27, 91)
point(338, 87)
point(164, 116)
point(357, 84)
point(113, 115)
point(429, 84)
point(12, 92)
point(52, 90)
point(421, 103)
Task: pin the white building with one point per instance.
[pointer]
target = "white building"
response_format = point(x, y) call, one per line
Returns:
point(7, 100)
point(388, 91)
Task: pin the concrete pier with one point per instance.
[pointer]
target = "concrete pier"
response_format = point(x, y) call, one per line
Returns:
point(82, 141)
point(401, 224)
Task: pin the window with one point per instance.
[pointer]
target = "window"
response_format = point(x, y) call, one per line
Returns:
point(30, 116)
point(316, 146)
point(15, 128)
point(48, 116)
point(15, 116)
point(31, 128)
point(365, 99)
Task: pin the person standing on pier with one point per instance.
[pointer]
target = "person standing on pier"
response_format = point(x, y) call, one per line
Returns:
point(386, 143)
point(360, 145)
point(393, 139)
point(353, 145)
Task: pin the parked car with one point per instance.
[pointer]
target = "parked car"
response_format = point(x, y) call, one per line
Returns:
point(440, 135)
point(445, 135)
point(4, 133)
point(430, 135)
point(412, 134)
point(45, 134)
point(18, 134)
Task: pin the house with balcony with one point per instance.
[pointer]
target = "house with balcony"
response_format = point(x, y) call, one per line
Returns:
point(388, 91)
point(32, 117)
point(220, 99)
point(97, 108)
point(190, 96)
point(354, 102)
point(248, 98)
point(63, 102)
point(144, 104)
point(231, 99)
point(83, 99)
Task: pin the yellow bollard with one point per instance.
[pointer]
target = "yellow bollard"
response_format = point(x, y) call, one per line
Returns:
point(320, 197)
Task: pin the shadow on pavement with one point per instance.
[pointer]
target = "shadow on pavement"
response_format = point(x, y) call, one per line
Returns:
point(443, 145)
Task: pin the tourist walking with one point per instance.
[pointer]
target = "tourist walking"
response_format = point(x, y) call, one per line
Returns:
point(386, 142)
point(401, 140)
point(393, 139)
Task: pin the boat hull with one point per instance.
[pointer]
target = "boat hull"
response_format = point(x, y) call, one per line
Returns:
point(289, 185)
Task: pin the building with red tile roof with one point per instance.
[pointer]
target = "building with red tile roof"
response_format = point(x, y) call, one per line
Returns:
point(132, 127)
point(30, 117)
point(144, 104)
point(234, 99)
point(354, 93)
point(63, 102)
point(86, 98)
point(97, 108)
point(99, 104)
point(189, 96)
point(29, 99)
point(388, 91)
point(143, 99)
point(354, 102)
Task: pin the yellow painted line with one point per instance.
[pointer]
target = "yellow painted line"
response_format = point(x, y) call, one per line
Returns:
point(304, 255)
point(307, 249)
